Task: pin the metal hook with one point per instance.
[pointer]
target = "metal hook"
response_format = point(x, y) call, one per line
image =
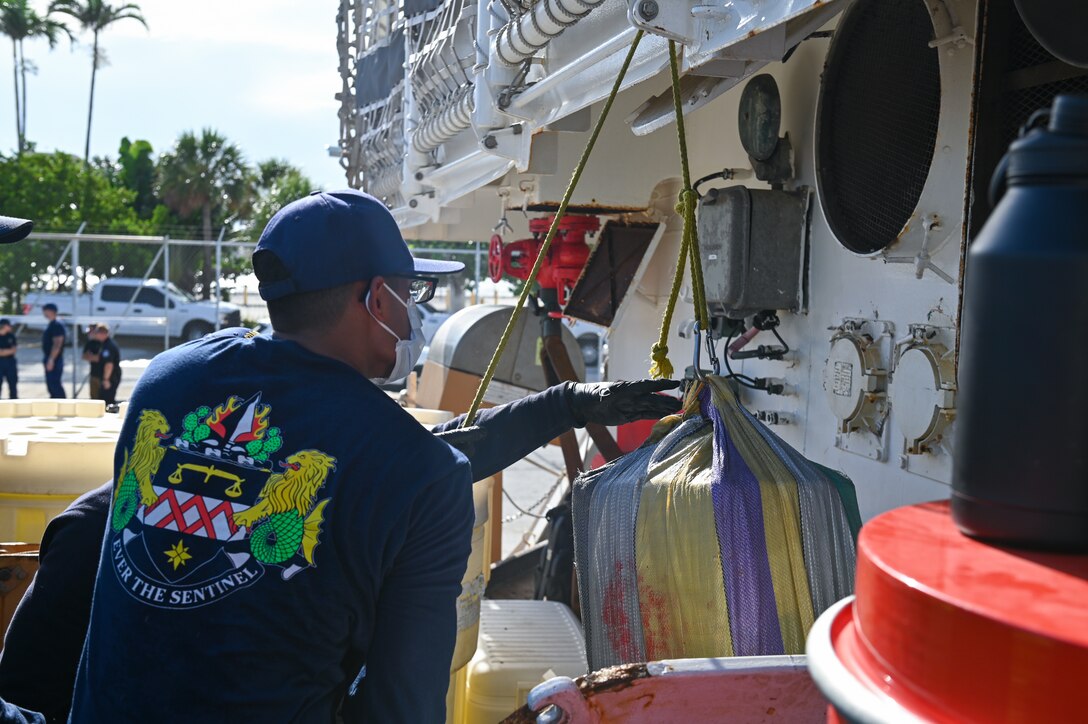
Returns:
point(715, 363)
point(698, 351)
point(503, 225)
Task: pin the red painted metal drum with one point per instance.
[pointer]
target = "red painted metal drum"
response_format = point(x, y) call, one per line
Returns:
point(945, 628)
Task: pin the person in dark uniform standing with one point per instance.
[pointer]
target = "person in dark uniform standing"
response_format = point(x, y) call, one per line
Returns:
point(91, 350)
point(109, 364)
point(9, 368)
point(11, 231)
point(53, 351)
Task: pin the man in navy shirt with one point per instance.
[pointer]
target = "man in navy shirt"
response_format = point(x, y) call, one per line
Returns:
point(53, 351)
point(277, 522)
point(9, 366)
point(91, 348)
point(108, 368)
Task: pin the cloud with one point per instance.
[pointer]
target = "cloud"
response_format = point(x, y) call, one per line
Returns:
point(296, 93)
point(286, 25)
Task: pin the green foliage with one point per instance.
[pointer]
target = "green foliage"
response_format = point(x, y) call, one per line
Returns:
point(205, 176)
point(278, 184)
point(272, 170)
point(137, 173)
point(94, 16)
point(49, 188)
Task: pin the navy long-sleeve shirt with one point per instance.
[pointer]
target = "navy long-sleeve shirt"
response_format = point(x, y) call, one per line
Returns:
point(517, 428)
point(46, 636)
point(277, 521)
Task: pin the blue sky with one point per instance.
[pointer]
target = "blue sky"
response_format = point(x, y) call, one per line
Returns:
point(262, 73)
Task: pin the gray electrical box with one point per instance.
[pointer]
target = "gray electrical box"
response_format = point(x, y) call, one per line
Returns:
point(752, 245)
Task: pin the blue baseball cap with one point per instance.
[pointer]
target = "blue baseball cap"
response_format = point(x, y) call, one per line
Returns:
point(49, 307)
point(330, 238)
point(12, 229)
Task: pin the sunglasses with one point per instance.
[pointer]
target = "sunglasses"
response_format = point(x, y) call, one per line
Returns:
point(421, 289)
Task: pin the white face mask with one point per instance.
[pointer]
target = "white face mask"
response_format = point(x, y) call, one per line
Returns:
point(408, 350)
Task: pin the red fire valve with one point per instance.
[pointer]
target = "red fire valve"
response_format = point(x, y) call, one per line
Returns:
point(494, 259)
point(566, 257)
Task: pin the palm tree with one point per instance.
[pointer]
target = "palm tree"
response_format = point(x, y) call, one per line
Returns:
point(19, 21)
point(206, 174)
point(95, 16)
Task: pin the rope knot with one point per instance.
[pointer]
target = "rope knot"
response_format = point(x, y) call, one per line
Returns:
point(662, 367)
point(686, 202)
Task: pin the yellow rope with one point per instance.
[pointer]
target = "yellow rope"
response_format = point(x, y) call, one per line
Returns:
point(689, 243)
point(661, 368)
point(470, 417)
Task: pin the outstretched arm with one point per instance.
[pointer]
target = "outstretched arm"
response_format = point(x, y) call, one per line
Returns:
point(514, 430)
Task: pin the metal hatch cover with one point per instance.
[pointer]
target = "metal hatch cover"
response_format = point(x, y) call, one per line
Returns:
point(845, 380)
point(610, 271)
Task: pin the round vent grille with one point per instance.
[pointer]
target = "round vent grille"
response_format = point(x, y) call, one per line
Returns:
point(877, 125)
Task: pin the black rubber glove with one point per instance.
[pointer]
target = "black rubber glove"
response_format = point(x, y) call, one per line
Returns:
point(463, 438)
point(616, 403)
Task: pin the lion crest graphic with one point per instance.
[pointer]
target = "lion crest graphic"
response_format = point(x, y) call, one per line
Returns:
point(201, 512)
point(284, 516)
point(139, 467)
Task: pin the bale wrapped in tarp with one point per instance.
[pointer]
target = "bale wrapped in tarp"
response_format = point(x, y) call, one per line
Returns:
point(715, 538)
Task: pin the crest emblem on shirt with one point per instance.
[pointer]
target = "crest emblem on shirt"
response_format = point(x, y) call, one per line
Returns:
point(202, 512)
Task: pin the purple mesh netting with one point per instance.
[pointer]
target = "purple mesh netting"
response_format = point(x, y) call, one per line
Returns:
point(746, 568)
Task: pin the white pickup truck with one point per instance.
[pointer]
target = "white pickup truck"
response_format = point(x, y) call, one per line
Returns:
point(136, 307)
